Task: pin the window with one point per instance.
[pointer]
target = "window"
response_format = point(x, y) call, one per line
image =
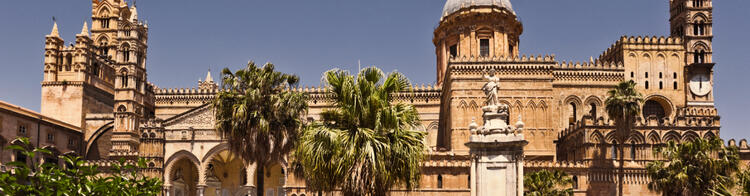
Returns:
point(614, 150)
point(440, 181)
point(575, 182)
point(105, 23)
point(646, 74)
point(695, 29)
point(632, 75)
point(653, 108)
point(646, 84)
point(484, 47)
point(20, 157)
point(573, 113)
point(510, 49)
point(22, 130)
point(675, 85)
point(632, 150)
point(124, 80)
point(126, 55)
point(660, 76)
point(454, 50)
point(50, 137)
point(593, 110)
point(51, 160)
point(661, 85)
point(674, 75)
point(71, 142)
point(127, 33)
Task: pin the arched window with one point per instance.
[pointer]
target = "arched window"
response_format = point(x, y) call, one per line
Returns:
point(675, 85)
point(701, 28)
point(614, 150)
point(575, 182)
point(126, 55)
point(573, 113)
point(695, 29)
point(440, 181)
point(661, 85)
point(646, 74)
point(654, 108)
point(646, 84)
point(20, 157)
point(674, 75)
point(468, 181)
point(68, 62)
point(593, 110)
point(632, 150)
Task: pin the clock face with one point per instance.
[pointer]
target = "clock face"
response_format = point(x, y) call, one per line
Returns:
point(700, 84)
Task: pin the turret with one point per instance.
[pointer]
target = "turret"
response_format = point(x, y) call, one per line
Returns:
point(52, 54)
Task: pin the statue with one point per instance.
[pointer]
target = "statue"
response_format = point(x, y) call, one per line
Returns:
point(490, 88)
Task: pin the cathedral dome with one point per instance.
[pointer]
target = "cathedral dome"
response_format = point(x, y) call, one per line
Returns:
point(452, 6)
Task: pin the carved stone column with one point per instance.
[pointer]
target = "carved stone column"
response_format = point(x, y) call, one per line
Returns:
point(168, 190)
point(497, 154)
point(200, 190)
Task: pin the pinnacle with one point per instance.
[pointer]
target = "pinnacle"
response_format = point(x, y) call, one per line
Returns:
point(85, 29)
point(55, 32)
point(208, 77)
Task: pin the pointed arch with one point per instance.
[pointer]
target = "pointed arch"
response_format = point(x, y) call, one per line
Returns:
point(104, 10)
point(611, 137)
point(473, 105)
point(672, 136)
point(463, 105)
point(690, 136)
point(636, 137)
point(596, 137)
point(653, 137)
point(708, 135)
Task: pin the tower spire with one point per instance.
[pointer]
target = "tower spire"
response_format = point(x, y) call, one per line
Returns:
point(85, 29)
point(208, 76)
point(55, 32)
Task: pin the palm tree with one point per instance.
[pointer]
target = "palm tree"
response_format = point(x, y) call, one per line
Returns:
point(623, 105)
point(258, 115)
point(365, 145)
point(547, 183)
point(700, 167)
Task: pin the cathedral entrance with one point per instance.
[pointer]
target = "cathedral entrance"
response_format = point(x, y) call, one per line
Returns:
point(184, 178)
point(225, 175)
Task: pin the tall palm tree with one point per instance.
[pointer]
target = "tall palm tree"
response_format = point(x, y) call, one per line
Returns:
point(623, 105)
point(365, 145)
point(700, 167)
point(258, 115)
point(547, 183)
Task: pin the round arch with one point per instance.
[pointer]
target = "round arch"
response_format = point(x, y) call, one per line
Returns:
point(179, 155)
point(573, 110)
point(96, 136)
point(662, 101)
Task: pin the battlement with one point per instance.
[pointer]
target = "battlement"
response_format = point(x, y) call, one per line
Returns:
point(742, 145)
point(504, 59)
point(597, 65)
point(610, 53)
point(680, 122)
point(556, 164)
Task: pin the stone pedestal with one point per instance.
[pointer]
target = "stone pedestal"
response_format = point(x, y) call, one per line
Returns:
point(497, 155)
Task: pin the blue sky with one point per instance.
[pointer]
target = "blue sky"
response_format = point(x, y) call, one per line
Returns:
point(187, 37)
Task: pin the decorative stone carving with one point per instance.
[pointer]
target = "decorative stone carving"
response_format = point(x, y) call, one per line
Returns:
point(496, 148)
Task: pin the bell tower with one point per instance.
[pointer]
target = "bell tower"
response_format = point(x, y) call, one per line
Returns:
point(122, 38)
point(692, 20)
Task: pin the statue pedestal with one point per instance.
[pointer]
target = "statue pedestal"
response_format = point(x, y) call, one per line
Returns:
point(497, 155)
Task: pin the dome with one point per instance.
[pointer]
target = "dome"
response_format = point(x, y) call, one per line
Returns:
point(455, 5)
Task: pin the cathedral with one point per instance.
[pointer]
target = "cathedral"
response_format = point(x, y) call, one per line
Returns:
point(98, 103)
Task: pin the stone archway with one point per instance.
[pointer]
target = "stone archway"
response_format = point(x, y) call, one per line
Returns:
point(181, 174)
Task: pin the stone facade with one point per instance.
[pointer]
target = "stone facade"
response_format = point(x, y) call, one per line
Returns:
point(97, 91)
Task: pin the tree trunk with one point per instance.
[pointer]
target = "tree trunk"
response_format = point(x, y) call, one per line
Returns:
point(621, 174)
point(259, 179)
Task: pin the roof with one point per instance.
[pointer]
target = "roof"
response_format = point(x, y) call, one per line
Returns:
point(452, 6)
point(31, 114)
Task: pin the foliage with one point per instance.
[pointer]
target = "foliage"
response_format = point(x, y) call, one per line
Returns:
point(365, 145)
point(743, 180)
point(700, 167)
point(75, 179)
point(547, 183)
point(623, 105)
point(259, 115)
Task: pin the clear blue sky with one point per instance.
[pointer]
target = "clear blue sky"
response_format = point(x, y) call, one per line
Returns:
point(187, 37)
